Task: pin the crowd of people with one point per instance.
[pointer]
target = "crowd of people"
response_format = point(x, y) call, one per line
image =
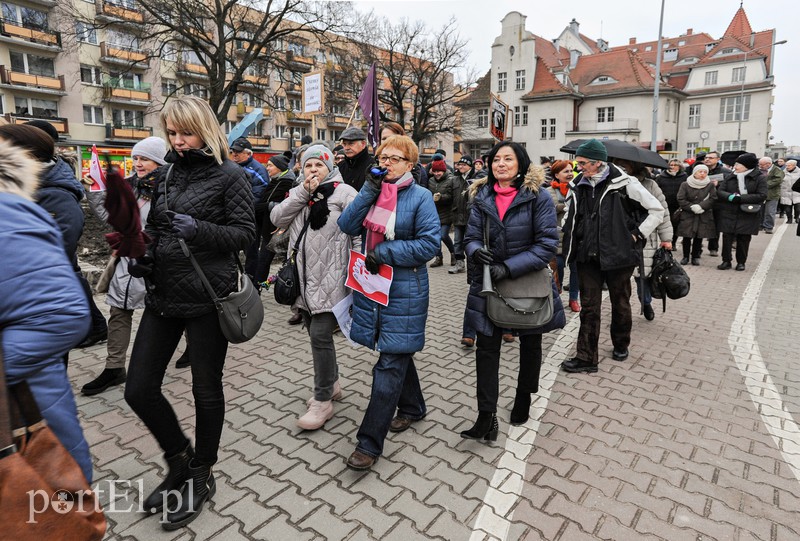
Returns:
point(202, 201)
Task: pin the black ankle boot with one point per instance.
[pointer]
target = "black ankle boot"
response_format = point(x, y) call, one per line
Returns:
point(485, 428)
point(520, 413)
point(197, 490)
point(177, 474)
point(184, 360)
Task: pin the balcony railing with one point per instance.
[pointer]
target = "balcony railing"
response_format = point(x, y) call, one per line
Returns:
point(259, 140)
point(60, 124)
point(49, 84)
point(117, 53)
point(116, 11)
point(123, 89)
point(122, 131)
point(242, 109)
point(296, 116)
point(337, 119)
point(187, 69)
point(42, 36)
point(620, 124)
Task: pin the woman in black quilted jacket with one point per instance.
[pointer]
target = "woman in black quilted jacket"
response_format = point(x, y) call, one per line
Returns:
point(205, 199)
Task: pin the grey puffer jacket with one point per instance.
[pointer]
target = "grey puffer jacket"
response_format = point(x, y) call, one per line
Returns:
point(323, 254)
point(788, 196)
point(220, 200)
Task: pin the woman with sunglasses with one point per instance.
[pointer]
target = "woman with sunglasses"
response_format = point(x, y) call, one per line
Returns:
point(400, 228)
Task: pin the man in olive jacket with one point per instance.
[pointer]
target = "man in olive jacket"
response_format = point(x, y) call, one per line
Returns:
point(774, 180)
point(608, 217)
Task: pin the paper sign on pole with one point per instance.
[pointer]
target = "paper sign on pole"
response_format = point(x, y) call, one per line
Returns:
point(313, 101)
point(499, 120)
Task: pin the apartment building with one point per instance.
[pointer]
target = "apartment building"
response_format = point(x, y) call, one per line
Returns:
point(714, 93)
point(97, 84)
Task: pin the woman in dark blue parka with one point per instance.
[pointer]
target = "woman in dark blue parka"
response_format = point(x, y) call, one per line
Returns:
point(523, 238)
point(401, 228)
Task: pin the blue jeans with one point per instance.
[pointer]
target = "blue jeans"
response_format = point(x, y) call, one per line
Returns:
point(574, 284)
point(395, 387)
point(458, 233)
point(770, 208)
point(447, 241)
point(643, 290)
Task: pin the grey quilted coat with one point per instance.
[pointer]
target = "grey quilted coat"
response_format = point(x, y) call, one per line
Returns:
point(662, 233)
point(323, 254)
point(220, 199)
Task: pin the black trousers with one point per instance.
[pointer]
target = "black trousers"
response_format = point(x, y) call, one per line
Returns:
point(156, 341)
point(487, 361)
point(619, 291)
point(742, 247)
point(693, 246)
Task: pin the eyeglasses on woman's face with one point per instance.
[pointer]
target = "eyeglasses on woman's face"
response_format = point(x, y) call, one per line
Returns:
point(394, 160)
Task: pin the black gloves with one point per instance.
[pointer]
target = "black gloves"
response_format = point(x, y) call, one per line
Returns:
point(183, 225)
point(375, 177)
point(141, 267)
point(482, 256)
point(499, 272)
point(371, 263)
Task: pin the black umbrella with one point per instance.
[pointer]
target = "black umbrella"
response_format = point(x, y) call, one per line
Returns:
point(623, 151)
point(729, 157)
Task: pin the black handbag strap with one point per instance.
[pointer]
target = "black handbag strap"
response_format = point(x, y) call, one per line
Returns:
point(185, 247)
point(296, 247)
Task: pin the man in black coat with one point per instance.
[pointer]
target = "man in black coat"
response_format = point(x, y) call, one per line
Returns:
point(357, 157)
point(716, 173)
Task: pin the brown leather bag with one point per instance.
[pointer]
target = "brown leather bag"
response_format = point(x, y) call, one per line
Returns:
point(43, 492)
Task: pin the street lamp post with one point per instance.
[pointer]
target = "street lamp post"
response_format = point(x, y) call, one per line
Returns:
point(741, 92)
point(653, 142)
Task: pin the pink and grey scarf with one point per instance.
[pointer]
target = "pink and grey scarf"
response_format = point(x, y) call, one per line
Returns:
point(381, 217)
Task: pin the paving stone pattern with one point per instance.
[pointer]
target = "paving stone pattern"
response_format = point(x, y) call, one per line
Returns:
point(667, 445)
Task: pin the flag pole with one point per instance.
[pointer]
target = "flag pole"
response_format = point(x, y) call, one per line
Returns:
point(351, 116)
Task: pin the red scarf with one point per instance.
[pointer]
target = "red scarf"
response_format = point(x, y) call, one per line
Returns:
point(381, 217)
point(562, 186)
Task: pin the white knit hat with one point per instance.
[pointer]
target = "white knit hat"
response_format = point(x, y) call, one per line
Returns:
point(152, 148)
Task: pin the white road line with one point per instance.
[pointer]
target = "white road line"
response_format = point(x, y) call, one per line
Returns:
point(744, 347)
point(494, 518)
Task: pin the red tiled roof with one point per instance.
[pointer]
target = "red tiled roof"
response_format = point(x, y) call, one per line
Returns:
point(480, 94)
point(545, 83)
point(740, 25)
point(623, 65)
point(592, 44)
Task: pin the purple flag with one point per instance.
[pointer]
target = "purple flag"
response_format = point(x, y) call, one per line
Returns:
point(368, 102)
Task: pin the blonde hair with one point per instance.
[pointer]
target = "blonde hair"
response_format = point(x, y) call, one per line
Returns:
point(403, 143)
point(195, 115)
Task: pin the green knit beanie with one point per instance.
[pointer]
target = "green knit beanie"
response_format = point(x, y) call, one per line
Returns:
point(592, 149)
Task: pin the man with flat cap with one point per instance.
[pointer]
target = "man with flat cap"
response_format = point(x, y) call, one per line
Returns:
point(608, 217)
point(357, 157)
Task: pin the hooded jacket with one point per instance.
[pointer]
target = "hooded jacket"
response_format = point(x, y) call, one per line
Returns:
point(323, 253)
point(624, 210)
point(41, 320)
point(60, 194)
point(400, 326)
point(220, 200)
point(525, 240)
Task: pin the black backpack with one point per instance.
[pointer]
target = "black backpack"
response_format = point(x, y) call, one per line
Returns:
point(667, 278)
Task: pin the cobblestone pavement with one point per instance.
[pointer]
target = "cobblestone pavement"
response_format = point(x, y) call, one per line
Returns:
point(693, 437)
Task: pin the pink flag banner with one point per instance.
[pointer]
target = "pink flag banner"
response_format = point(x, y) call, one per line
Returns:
point(96, 172)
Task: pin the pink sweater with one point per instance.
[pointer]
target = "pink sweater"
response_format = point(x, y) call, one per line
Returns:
point(504, 198)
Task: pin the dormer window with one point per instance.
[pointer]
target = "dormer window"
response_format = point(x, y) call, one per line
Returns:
point(670, 55)
point(710, 46)
point(690, 60)
point(648, 48)
point(604, 80)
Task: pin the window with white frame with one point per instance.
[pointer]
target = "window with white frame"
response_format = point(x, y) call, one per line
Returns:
point(544, 129)
point(321, 134)
point(91, 75)
point(85, 33)
point(725, 146)
point(694, 116)
point(227, 126)
point(738, 74)
point(32, 64)
point(296, 48)
point(131, 81)
point(296, 105)
point(670, 55)
point(36, 108)
point(520, 80)
point(126, 117)
point(339, 109)
point(605, 114)
point(516, 115)
point(524, 115)
point(92, 114)
point(734, 109)
point(502, 81)
point(691, 149)
point(280, 103)
point(280, 130)
point(195, 89)
point(169, 52)
point(122, 40)
point(483, 118)
point(711, 78)
point(169, 87)
point(25, 16)
point(552, 128)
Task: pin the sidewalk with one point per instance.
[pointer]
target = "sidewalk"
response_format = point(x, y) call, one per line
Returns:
point(667, 445)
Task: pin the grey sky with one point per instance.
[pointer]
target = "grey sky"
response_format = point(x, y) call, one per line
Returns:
point(616, 21)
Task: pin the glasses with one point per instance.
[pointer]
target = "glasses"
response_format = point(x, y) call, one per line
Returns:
point(582, 163)
point(394, 160)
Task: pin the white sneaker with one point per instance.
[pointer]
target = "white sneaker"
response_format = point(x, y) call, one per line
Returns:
point(337, 393)
point(318, 412)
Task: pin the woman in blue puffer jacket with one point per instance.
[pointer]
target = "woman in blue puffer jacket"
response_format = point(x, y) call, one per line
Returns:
point(401, 228)
point(41, 319)
point(524, 237)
